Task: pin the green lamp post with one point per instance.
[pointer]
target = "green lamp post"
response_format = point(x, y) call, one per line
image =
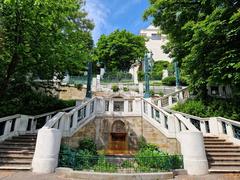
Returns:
point(89, 81)
point(147, 59)
point(177, 74)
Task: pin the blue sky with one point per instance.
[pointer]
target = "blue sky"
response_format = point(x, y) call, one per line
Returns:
point(109, 15)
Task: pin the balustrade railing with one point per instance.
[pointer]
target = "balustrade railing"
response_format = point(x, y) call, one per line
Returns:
point(172, 98)
point(22, 124)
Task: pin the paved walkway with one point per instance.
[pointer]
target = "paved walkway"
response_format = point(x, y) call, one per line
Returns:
point(32, 176)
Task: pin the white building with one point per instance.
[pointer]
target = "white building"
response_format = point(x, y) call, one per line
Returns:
point(155, 43)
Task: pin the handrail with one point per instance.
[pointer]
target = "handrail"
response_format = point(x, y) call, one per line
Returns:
point(54, 120)
point(188, 124)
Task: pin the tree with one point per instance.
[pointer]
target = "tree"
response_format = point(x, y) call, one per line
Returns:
point(204, 37)
point(40, 38)
point(120, 50)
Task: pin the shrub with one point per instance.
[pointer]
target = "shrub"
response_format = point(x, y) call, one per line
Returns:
point(79, 86)
point(169, 81)
point(66, 156)
point(88, 144)
point(140, 75)
point(151, 92)
point(104, 166)
point(125, 89)
point(115, 88)
point(143, 145)
point(84, 159)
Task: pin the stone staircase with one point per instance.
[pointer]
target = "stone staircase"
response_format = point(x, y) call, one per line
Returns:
point(17, 153)
point(223, 156)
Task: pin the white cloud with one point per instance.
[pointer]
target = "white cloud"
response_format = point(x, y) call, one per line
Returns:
point(126, 6)
point(99, 13)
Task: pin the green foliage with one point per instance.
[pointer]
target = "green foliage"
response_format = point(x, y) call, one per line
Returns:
point(104, 166)
point(169, 81)
point(40, 39)
point(140, 75)
point(203, 38)
point(143, 145)
point(127, 164)
point(66, 156)
point(115, 88)
point(158, 67)
point(88, 144)
point(119, 50)
point(125, 89)
point(153, 159)
point(117, 76)
point(31, 103)
point(211, 108)
point(79, 86)
point(84, 159)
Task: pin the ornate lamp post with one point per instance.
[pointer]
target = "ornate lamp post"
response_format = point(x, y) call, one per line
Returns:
point(147, 58)
point(89, 81)
point(177, 74)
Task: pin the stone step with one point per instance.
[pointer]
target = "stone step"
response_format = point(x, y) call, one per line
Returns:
point(20, 140)
point(24, 137)
point(210, 137)
point(15, 161)
point(18, 147)
point(224, 154)
point(17, 156)
point(18, 167)
point(222, 150)
point(225, 164)
point(19, 143)
point(221, 146)
point(214, 140)
point(217, 143)
point(5, 151)
point(223, 169)
point(224, 158)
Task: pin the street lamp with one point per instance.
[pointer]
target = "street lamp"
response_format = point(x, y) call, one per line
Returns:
point(89, 81)
point(147, 59)
point(177, 74)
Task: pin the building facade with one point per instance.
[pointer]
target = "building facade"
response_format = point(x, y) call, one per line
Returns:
point(154, 43)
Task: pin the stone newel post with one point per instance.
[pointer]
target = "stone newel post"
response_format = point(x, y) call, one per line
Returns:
point(193, 151)
point(45, 158)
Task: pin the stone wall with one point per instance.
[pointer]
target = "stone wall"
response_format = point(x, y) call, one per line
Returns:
point(67, 93)
point(100, 130)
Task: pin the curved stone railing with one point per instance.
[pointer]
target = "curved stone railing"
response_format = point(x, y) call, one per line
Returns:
point(172, 98)
point(22, 124)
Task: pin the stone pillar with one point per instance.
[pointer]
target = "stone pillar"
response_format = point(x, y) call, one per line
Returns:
point(214, 126)
point(140, 86)
point(170, 100)
point(98, 83)
point(193, 151)
point(45, 158)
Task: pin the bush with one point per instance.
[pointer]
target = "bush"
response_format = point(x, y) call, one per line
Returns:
point(169, 81)
point(66, 156)
point(212, 107)
point(125, 89)
point(84, 159)
point(115, 88)
point(31, 103)
point(79, 86)
point(88, 144)
point(143, 145)
point(140, 75)
point(104, 166)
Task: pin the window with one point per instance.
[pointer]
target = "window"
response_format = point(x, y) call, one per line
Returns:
point(118, 106)
point(155, 37)
point(92, 107)
point(130, 106)
point(106, 105)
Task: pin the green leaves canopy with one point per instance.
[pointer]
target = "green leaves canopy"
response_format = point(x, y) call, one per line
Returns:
point(204, 37)
point(120, 50)
point(42, 38)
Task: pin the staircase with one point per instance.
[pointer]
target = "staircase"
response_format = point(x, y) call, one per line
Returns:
point(223, 156)
point(17, 153)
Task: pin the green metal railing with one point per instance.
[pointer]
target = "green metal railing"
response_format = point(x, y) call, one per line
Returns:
point(120, 164)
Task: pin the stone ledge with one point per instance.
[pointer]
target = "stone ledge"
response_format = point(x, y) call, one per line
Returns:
point(69, 173)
